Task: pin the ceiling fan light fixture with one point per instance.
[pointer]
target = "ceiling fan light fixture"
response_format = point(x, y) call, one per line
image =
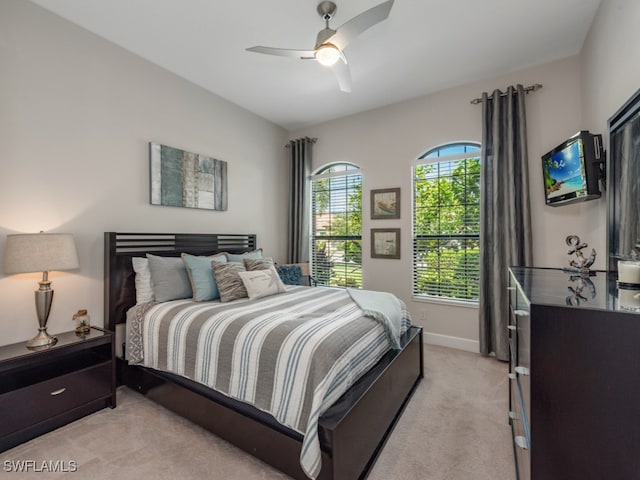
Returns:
point(330, 43)
point(327, 54)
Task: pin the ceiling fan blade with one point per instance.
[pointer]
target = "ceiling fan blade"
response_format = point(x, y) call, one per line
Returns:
point(354, 27)
point(343, 75)
point(283, 52)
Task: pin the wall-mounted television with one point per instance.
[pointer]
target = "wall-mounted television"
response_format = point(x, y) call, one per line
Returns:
point(573, 170)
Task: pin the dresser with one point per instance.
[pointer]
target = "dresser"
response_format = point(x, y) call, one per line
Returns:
point(574, 376)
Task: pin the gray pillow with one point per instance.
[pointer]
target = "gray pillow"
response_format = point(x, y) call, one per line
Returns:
point(169, 278)
point(258, 264)
point(238, 257)
point(228, 279)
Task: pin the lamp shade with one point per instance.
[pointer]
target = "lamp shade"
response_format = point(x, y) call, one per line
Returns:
point(40, 252)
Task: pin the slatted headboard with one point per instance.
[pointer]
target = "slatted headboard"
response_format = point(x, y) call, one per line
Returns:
point(119, 248)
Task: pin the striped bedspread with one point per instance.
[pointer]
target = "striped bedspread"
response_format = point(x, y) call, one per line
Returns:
point(291, 355)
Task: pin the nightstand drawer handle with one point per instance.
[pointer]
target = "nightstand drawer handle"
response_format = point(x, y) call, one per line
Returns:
point(521, 442)
point(58, 392)
point(512, 327)
point(521, 313)
point(522, 370)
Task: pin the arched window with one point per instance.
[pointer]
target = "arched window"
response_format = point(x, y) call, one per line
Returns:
point(446, 223)
point(336, 225)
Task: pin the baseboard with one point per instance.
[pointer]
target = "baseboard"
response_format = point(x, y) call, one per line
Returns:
point(452, 342)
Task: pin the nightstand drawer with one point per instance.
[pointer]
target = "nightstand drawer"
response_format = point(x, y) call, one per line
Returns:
point(38, 402)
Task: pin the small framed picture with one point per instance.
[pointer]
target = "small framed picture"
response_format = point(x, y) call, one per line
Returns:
point(385, 243)
point(385, 203)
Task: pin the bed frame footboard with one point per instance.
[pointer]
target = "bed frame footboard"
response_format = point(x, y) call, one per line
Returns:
point(352, 432)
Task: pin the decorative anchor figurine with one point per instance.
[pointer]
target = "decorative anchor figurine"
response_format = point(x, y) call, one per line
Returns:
point(580, 271)
point(580, 264)
point(576, 291)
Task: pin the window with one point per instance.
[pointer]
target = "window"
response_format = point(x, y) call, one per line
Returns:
point(336, 226)
point(446, 223)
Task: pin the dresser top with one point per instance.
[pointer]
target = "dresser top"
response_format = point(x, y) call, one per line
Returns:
point(556, 287)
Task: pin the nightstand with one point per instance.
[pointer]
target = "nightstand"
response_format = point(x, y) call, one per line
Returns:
point(45, 389)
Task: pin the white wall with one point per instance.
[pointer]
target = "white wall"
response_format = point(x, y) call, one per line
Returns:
point(581, 92)
point(610, 61)
point(385, 142)
point(76, 116)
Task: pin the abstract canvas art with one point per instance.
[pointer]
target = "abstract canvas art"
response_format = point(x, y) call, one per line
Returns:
point(184, 179)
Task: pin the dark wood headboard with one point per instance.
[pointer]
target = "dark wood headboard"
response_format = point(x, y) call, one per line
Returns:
point(119, 248)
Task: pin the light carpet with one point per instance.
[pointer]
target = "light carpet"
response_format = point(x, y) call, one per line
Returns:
point(454, 428)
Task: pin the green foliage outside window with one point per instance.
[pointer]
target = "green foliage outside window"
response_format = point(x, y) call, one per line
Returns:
point(337, 230)
point(447, 229)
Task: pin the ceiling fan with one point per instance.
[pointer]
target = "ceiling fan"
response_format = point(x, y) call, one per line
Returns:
point(330, 44)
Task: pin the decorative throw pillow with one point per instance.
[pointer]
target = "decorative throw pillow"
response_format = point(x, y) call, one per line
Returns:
point(228, 279)
point(290, 274)
point(144, 290)
point(169, 278)
point(234, 257)
point(258, 264)
point(203, 283)
point(262, 283)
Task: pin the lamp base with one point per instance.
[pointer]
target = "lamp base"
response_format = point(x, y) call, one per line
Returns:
point(43, 298)
point(41, 340)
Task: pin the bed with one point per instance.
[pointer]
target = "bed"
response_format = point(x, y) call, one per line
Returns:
point(350, 433)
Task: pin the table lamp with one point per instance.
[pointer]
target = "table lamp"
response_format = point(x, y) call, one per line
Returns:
point(40, 252)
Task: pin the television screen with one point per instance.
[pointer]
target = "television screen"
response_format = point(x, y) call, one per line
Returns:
point(564, 172)
point(568, 170)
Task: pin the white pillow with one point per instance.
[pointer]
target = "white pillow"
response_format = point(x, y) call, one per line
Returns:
point(144, 291)
point(262, 283)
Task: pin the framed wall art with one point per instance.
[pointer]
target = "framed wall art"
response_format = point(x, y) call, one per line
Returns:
point(385, 203)
point(184, 179)
point(385, 243)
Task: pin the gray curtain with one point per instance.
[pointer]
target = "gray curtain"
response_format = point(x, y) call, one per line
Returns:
point(299, 198)
point(627, 141)
point(505, 218)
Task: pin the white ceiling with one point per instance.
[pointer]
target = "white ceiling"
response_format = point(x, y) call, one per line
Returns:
point(423, 47)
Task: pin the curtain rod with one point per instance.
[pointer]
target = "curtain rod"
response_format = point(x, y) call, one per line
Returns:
point(530, 88)
point(310, 140)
